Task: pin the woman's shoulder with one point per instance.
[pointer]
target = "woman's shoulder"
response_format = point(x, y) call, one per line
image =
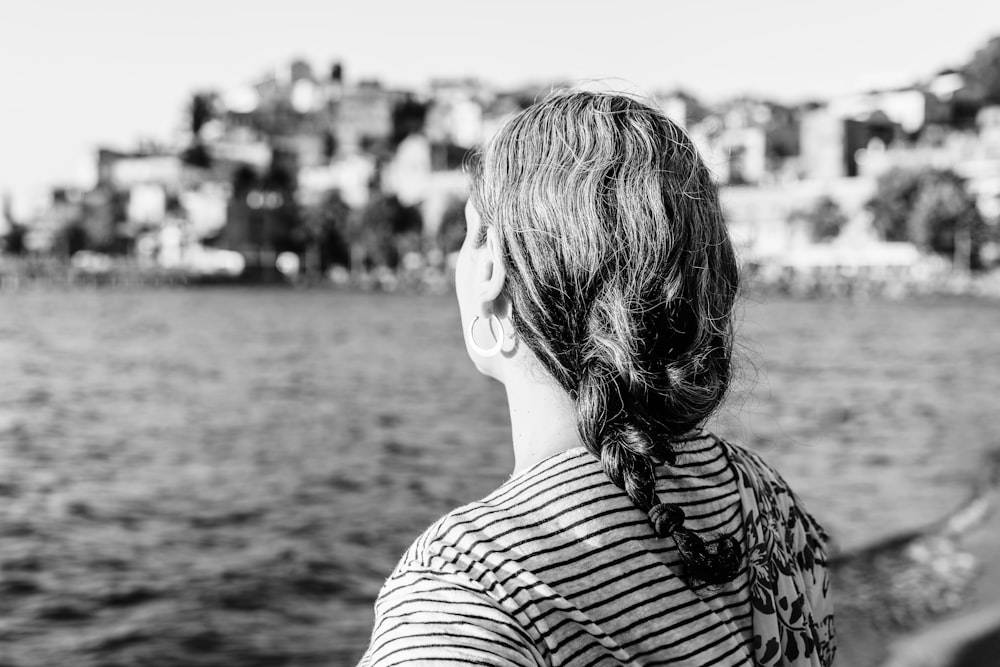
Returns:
point(753, 468)
point(787, 562)
point(538, 492)
point(441, 604)
point(769, 498)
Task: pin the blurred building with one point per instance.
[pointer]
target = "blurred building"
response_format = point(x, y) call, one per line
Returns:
point(455, 115)
point(123, 170)
point(745, 140)
point(50, 230)
point(837, 135)
point(295, 135)
point(762, 220)
point(261, 220)
point(352, 174)
point(240, 146)
point(499, 110)
point(676, 106)
point(363, 115)
point(205, 208)
point(413, 177)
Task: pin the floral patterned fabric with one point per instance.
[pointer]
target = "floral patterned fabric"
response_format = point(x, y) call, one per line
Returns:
point(790, 587)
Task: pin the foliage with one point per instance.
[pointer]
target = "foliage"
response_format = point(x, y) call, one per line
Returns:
point(447, 156)
point(824, 219)
point(408, 118)
point(895, 194)
point(288, 229)
point(451, 232)
point(330, 145)
point(100, 224)
point(280, 224)
point(281, 175)
point(244, 179)
point(197, 155)
point(331, 229)
point(983, 72)
point(947, 220)
point(388, 230)
point(12, 242)
point(72, 239)
point(201, 110)
point(933, 209)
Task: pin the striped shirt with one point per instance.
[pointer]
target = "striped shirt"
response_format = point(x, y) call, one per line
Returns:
point(558, 567)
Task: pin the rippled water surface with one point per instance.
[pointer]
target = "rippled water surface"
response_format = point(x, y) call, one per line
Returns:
point(225, 476)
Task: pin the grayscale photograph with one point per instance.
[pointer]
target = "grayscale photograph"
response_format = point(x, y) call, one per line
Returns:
point(519, 334)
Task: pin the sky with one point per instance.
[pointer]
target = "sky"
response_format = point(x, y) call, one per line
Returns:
point(76, 75)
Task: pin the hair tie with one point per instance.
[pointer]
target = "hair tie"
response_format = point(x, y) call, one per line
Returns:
point(665, 518)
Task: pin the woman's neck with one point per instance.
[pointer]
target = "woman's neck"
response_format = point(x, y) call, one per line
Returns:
point(542, 418)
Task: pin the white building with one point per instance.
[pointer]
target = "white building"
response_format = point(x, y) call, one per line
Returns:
point(762, 224)
point(351, 174)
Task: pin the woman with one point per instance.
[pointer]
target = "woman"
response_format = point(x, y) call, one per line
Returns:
point(597, 283)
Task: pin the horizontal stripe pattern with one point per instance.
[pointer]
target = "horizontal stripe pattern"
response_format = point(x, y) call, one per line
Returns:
point(557, 567)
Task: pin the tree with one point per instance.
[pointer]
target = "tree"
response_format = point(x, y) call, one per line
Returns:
point(202, 110)
point(13, 240)
point(451, 232)
point(71, 239)
point(947, 221)
point(283, 218)
point(197, 155)
point(103, 212)
point(244, 179)
point(375, 235)
point(408, 116)
point(983, 72)
point(330, 145)
point(892, 204)
point(331, 230)
point(824, 219)
point(934, 210)
point(389, 230)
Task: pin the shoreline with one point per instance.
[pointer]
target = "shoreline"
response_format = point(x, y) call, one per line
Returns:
point(839, 283)
point(986, 288)
point(968, 636)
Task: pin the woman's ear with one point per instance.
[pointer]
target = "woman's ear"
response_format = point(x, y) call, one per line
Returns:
point(492, 272)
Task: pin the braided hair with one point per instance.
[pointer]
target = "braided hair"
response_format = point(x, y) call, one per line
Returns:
point(622, 280)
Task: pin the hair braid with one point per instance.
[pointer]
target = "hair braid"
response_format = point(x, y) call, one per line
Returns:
point(628, 456)
point(622, 280)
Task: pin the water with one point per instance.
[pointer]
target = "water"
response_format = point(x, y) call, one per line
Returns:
point(225, 477)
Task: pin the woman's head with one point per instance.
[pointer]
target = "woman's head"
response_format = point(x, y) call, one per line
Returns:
point(618, 262)
point(619, 272)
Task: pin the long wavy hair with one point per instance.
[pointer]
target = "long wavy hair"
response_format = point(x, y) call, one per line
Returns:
point(622, 280)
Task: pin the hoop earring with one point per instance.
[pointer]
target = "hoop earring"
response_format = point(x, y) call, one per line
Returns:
point(494, 349)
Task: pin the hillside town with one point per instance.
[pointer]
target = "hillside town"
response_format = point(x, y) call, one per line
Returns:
point(307, 175)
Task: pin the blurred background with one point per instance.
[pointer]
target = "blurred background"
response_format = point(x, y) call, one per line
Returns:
point(234, 387)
